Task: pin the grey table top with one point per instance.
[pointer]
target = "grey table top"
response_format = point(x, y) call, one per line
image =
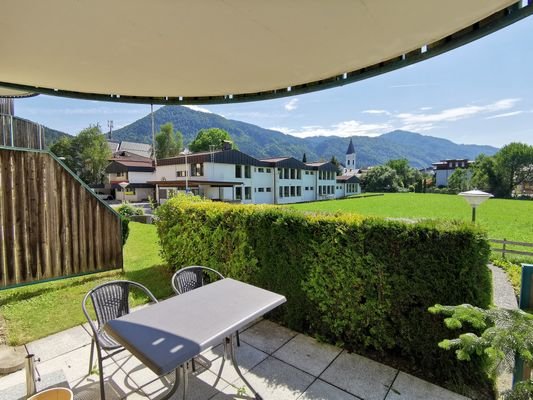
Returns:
point(167, 334)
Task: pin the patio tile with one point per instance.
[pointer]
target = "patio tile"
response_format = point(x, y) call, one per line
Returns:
point(307, 354)
point(117, 386)
point(59, 343)
point(16, 389)
point(267, 336)
point(247, 358)
point(75, 364)
point(360, 376)
point(198, 388)
point(321, 390)
point(273, 379)
point(408, 387)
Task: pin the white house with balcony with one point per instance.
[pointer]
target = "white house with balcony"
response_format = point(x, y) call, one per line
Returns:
point(445, 168)
point(231, 175)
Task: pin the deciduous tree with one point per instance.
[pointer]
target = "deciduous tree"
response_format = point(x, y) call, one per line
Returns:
point(210, 137)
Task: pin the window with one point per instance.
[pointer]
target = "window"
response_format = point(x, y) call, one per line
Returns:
point(307, 172)
point(238, 193)
point(247, 171)
point(299, 174)
point(248, 193)
point(280, 171)
point(293, 173)
point(197, 169)
point(261, 190)
point(238, 171)
point(320, 190)
point(260, 170)
point(298, 190)
point(311, 188)
point(286, 191)
point(268, 170)
point(119, 174)
point(268, 189)
point(181, 173)
point(286, 173)
point(281, 191)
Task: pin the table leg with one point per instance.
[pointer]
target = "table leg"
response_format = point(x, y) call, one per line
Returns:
point(229, 343)
point(179, 371)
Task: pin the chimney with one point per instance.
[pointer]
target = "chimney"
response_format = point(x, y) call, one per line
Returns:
point(227, 145)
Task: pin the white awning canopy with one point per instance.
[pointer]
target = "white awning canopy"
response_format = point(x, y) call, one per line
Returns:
point(213, 51)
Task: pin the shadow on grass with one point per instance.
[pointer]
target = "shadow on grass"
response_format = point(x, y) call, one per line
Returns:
point(156, 278)
point(41, 288)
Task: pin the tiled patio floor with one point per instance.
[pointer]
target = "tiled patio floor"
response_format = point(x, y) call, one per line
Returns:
point(278, 362)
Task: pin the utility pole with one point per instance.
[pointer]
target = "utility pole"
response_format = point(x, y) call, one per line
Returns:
point(110, 126)
point(153, 134)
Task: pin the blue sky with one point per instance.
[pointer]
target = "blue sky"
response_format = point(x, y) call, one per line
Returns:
point(480, 93)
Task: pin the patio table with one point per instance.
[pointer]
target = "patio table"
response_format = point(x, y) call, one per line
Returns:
point(166, 335)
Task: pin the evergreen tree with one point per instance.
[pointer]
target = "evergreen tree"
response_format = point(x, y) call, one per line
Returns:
point(304, 158)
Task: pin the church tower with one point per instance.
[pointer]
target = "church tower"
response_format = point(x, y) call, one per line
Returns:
point(350, 159)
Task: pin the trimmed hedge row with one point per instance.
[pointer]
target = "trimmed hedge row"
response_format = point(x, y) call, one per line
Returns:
point(356, 282)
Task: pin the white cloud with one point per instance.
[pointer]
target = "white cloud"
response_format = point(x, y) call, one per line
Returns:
point(291, 104)
point(198, 108)
point(426, 108)
point(376, 112)
point(457, 113)
point(342, 129)
point(509, 114)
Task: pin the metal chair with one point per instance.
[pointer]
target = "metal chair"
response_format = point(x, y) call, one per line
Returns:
point(193, 277)
point(110, 301)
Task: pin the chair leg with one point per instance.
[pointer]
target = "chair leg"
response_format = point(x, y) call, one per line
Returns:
point(101, 373)
point(91, 358)
point(238, 339)
point(193, 365)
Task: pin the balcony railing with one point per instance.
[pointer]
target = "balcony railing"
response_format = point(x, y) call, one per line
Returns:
point(18, 132)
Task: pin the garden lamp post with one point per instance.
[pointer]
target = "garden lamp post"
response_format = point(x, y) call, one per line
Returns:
point(475, 198)
point(123, 185)
point(186, 152)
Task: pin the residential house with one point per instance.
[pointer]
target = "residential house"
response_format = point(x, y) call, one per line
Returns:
point(444, 169)
point(137, 171)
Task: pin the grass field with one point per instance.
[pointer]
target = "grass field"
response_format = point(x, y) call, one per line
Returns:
point(37, 311)
point(510, 219)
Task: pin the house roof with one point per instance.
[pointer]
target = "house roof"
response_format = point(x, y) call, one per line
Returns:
point(127, 166)
point(348, 179)
point(322, 166)
point(323, 44)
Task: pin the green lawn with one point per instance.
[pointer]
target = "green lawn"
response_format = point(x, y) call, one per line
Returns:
point(510, 219)
point(36, 311)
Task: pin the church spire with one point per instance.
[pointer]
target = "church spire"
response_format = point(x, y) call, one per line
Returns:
point(351, 149)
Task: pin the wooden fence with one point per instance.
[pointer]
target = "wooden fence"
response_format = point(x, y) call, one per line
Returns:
point(18, 132)
point(51, 224)
point(506, 250)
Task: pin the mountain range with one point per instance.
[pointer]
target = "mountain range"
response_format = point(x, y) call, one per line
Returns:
point(259, 142)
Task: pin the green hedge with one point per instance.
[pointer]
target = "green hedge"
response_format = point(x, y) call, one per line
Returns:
point(358, 282)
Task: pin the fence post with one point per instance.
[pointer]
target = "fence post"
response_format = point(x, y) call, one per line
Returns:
point(521, 371)
point(504, 246)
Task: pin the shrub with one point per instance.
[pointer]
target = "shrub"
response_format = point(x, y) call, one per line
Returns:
point(127, 210)
point(363, 283)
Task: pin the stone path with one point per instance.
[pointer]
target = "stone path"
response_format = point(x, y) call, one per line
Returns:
point(281, 364)
point(504, 297)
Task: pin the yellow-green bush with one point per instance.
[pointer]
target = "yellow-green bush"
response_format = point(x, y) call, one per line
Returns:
point(358, 282)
